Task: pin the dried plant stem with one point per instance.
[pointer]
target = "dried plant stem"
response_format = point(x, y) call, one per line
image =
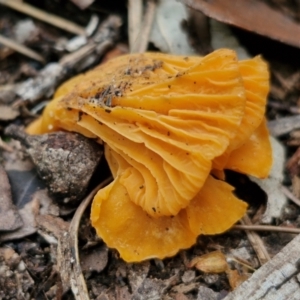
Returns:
point(142, 41)
point(47, 79)
point(104, 38)
point(267, 228)
point(20, 48)
point(256, 242)
point(44, 16)
point(290, 195)
point(74, 57)
point(135, 14)
point(78, 284)
point(241, 262)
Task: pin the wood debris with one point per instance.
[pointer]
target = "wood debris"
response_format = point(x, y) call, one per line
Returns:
point(44, 16)
point(276, 279)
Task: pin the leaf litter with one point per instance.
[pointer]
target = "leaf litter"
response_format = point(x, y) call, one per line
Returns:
point(9, 216)
point(169, 280)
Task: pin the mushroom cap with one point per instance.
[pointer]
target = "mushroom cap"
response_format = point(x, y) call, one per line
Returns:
point(166, 121)
point(255, 76)
point(137, 236)
point(254, 157)
point(168, 116)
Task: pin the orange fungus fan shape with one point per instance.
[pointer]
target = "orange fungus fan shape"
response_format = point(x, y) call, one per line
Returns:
point(167, 122)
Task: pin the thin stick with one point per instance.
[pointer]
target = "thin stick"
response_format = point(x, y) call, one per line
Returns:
point(141, 44)
point(267, 228)
point(241, 262)
point(74, 57)
point(256, 242)
point(44, 16)
point(290, 195)
point(21, 48)
point(135, 12)
point(78, 284)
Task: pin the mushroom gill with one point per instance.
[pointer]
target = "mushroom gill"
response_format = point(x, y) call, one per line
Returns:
point(166, 121)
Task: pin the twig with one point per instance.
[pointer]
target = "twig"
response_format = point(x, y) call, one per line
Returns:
point(44, 84)
point(21, 48)
point(92, 25)
point(103, 39)
point(290, 195)
point(77, 280)
point(135, 11)
point(241, 262)
point(73, 58)
point(256, 242)
point(44, 16)
point(143, 38)
point(267, 228)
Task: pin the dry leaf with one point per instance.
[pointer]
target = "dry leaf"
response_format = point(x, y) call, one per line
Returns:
point(272, 185)
point(7, 112)
point(234, 278)
point(24, 182)
point(213, 262)
point(9, 216)
point(252, 15)
point(28, 214)
point(167, 33)
point(21, 173)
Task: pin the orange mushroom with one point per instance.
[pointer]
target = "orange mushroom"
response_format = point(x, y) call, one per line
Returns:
point(165, 122)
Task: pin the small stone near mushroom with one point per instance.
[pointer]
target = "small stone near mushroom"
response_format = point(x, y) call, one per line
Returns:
point(64, 160)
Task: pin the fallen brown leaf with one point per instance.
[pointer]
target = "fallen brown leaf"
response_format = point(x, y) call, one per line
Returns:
point(251, 15)
point(235, 279)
